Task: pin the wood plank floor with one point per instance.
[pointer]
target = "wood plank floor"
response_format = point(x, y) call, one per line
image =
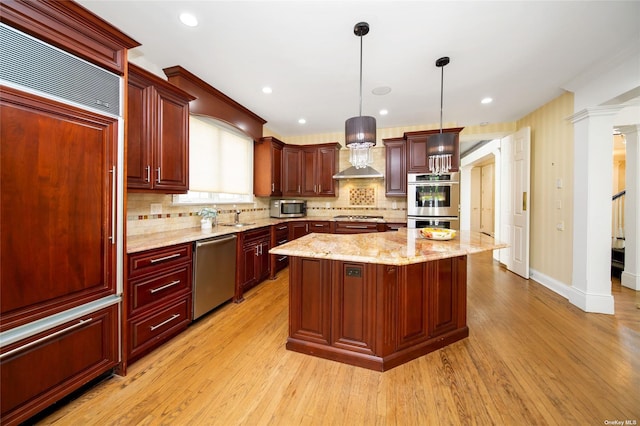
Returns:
point(531, 358)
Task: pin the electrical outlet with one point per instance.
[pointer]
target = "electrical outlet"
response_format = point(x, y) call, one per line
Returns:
point(560, 226)
point(394, 205)
point(156, 208)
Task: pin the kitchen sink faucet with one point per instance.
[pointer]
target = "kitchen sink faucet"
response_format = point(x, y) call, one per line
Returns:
point(237, 217)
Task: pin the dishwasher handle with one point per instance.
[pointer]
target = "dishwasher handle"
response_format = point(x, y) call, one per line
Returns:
point(215, 241)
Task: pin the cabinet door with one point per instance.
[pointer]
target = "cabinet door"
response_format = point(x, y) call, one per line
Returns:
point(298, 229)
point(276, 173)
point(446, 286)
point(309, 171)
point(139, 174)
point(395, 167)
point(291, 171)
point(172, 147)
point(267, 167)
point(320, 226)
point(56, 207)
point(413, 315)
point(249, 275)
point(263, 267)
point(327, 163)
point(417, 155)
point(310, 300)
point(41, 370)
point(354, 303)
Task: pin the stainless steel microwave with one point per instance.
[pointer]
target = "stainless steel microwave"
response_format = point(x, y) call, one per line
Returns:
point(288, 208)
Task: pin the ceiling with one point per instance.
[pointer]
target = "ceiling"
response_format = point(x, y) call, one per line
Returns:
point(521, 54)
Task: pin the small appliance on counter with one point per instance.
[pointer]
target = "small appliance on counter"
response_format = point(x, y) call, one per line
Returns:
point(288, 208)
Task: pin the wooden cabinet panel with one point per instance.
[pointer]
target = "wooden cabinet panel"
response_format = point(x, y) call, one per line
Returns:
point(309, 298)
point(159, 287)
point(253, 261)
point(38, 371)
point(327, 167)
point(267, 167)
point(320, 226)
point(150, 261)
point(279, 236)
point(417, 154)
point(395, 167)
point(354, 307)
point(297, 229)
point(346, 227)
point(171, 153)
point(445, 278)
point(157, 134)
point(413, 315)
point(309, 171)
point(291, 171)
point(57, 171)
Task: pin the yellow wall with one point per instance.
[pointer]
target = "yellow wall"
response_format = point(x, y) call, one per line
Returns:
point(551, 160)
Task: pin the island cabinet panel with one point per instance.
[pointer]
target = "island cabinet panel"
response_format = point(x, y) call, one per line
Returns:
point(310, 301)
point(354, 305)
point(446, 310)
point(413, 305)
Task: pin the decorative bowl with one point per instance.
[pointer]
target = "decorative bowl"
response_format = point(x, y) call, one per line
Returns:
point(438, 233)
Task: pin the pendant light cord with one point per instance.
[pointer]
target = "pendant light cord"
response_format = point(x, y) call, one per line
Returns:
point(360, 113)
point(441, 95)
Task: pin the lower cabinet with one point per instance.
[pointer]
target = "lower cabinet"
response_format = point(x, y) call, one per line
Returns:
point(279, 236)
point(40, 370)
point(158, 298)
point(320, 226)
point(342, 227)
point(253, 259)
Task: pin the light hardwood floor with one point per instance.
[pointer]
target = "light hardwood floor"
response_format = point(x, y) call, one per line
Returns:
point(531, 358)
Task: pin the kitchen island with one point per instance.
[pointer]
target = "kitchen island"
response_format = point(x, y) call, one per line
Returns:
point(378, 300)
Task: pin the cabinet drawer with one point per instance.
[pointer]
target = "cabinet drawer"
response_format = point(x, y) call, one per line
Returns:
point(39, 371)
point(147, 291)
point(320, 226)
point(256, 234)
point(150, 331)
point(355, 227)
point(151, 260)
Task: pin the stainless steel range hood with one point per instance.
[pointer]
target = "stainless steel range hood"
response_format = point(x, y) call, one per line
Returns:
point(364, 173)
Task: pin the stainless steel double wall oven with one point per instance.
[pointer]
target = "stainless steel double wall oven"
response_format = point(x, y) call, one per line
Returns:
point(433, 200)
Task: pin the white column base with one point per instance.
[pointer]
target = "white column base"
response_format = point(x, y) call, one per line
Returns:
point(629, 280)
point(596, 303)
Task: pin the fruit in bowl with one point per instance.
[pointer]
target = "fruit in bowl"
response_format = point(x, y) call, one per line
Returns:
point(438, 233)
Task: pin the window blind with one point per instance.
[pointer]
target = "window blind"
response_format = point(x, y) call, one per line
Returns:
point(220, 158)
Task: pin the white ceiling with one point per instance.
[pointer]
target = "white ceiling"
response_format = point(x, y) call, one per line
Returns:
point(521, 54)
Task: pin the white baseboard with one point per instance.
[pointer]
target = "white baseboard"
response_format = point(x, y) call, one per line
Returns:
point(551, 283)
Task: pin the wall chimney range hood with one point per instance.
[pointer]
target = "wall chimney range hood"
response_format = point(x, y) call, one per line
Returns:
point(352, 172)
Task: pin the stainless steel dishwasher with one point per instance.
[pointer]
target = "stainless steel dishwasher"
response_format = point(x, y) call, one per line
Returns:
point(214, 273)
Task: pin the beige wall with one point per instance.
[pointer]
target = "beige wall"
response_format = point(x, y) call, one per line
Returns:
point(551, 160)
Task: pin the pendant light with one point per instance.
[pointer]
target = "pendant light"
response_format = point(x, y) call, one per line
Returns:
point(439, 163)
point(360, 131)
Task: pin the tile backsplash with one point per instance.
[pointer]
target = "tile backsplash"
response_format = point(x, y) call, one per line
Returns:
point(149, 213)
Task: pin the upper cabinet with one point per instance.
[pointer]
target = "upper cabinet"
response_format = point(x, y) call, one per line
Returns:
point(157, 134)
point(410, 154)
point(267, 167)
point(308, 170)
point(419, 148)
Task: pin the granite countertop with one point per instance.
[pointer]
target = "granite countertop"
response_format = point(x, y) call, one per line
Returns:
point(138, 243)
point(402, 247)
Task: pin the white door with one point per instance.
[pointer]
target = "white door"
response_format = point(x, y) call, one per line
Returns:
point(516, 149)
point(487, 203)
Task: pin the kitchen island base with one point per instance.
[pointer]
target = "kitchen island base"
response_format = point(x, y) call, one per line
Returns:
point(375, 316)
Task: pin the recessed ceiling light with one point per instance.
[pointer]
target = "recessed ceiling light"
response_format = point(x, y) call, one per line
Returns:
point(382, 90)
point(384, 112)
point(267, 90)
point(302, 121)
point(486, 100)
point(188, 19)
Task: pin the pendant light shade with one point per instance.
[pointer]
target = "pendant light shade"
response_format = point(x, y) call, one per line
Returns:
point(360, 131)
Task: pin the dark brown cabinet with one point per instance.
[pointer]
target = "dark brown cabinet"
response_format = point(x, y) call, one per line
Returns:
point(320, 226)
point(157, 134)
point(395, 167)
point(253, 259)
point(158, 297)
point(57, 219)
point(279, 236)
point(298, 229)
point(267, 167)
point(38, 371)
point(308, 170)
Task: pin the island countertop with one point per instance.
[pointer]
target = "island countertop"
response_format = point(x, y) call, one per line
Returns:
point(402, 247)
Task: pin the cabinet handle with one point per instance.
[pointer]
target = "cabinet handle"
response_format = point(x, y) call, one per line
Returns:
point(281, 258)
point(167, 321)
point(273, 187)
point(282, 242)
point(319, 187)
point(356, 226)
point(45, 338)
point(315, 188)
point(160, 259)
point(317, 225)
point(171, 284)
point(282, 228)
point(298, 188)
point(158, 170)
point(257, 248)
point(148, 174)
point(113, 204)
